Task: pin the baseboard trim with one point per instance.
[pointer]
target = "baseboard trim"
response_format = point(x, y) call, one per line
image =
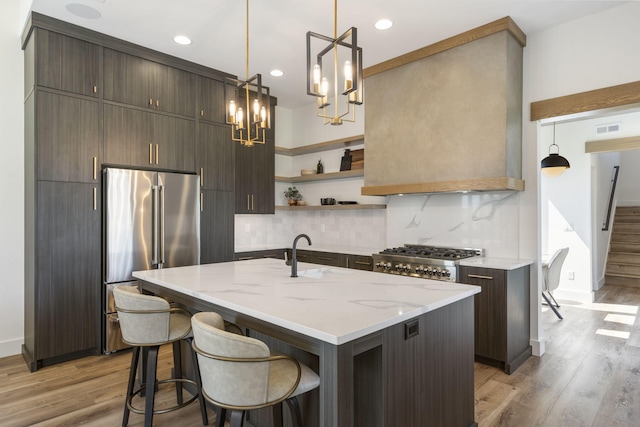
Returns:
point(537, 347)
point(11, 347)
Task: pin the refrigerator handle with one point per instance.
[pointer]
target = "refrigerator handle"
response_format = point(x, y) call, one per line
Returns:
point(161, 243)
point(154, 225)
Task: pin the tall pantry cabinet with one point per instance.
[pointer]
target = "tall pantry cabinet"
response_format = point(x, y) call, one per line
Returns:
point(62, 198)
point(92, 101)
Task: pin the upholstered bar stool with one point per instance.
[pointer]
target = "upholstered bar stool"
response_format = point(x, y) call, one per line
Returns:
point(148, 322)
point(240, 373)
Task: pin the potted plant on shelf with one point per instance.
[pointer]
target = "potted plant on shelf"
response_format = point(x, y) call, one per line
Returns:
point(293, 195)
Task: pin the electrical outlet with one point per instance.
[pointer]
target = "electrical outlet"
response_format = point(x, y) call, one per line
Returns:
point(572, 275)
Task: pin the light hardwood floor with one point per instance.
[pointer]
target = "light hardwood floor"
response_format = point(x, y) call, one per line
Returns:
point(589, 376)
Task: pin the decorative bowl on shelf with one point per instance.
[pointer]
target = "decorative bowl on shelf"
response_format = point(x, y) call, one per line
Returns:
point(308, 172)
point(301, 203)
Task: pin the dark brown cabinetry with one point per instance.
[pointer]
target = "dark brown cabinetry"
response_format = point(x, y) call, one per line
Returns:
point(67, 270)
point(334, 259)
point(143, 139)
point(66, 151)
point(267, 253)
point(216, 226)
point(136, 81)
point(501, 315)
point(255, 179)
point(66, 63)
point(215, 157)
point(210, 100)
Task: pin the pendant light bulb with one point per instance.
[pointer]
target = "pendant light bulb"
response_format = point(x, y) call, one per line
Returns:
point(348, 76)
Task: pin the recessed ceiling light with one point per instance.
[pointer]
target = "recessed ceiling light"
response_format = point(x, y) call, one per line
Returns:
point(384, 24)
point(83, 11)
point(277, 73)
point(183, 40)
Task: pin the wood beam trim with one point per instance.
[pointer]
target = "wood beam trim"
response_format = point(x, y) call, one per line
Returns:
point(598, 99)
point(609, 145)
point(503, 24)
point(501, 183)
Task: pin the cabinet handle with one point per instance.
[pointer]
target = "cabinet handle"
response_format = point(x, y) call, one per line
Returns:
point(150, 154)
point(252, 202)
point(347, 262)
point(95, 168)
point(95, 198)
point(201, 177)
point(151, 102)
point(248, 206)
point(157, 151)
point(477, 276)
point(157, 102)
point(201, 113)
point(324, 258)
point(95, 89)
point(363, 263)
point(201, 202)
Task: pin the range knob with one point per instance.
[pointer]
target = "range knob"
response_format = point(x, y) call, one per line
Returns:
point(428, 271)
point(398, 267)
point(419, 269)
point(446, 273)
point(387, 266)
point(407, 268)
point(437, 272)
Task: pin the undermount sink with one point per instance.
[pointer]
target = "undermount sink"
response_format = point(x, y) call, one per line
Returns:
point(323, 272)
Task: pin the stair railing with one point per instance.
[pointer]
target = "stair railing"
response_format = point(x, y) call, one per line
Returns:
point(612, 191)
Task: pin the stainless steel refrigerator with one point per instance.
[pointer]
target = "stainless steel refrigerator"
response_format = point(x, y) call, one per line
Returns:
point(151, 220)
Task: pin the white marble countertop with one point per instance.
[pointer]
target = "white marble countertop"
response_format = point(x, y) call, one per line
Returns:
point(497, 263)
point(335, 305)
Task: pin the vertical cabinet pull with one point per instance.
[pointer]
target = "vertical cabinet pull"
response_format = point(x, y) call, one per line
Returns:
point(150, 154)
point(95, 89)
point(201, 202)
point(201, 113)
point(248, 206)
point(95, 168)
point(252, 202)
point(157, 102)
point(201, 177)
point(157, 151)
point(95, 198)
point(151, 102)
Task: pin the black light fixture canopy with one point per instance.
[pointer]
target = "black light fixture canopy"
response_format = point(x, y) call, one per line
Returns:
point(554, 164)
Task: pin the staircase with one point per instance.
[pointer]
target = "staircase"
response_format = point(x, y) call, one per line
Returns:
point(623, 263)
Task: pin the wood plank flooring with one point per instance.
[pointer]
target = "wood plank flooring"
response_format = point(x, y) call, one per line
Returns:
point(589, 376)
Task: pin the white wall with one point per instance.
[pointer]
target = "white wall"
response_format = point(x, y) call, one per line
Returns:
point(11, 181)
point(628, 190)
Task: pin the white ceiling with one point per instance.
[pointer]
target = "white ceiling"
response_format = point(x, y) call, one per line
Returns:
point(278, 28)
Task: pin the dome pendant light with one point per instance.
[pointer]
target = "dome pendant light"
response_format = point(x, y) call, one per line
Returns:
point(554, 164)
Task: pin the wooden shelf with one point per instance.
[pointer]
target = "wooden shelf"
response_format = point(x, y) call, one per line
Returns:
point(322, 177)
point(322, 146)
point(329, 207)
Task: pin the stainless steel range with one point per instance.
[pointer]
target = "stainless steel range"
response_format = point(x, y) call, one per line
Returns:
point(427, 262)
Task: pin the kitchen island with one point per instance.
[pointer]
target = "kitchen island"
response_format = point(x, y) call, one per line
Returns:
point(389, 350)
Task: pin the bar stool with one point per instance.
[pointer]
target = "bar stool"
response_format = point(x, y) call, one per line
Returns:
point(240, 373)
point(149, 322)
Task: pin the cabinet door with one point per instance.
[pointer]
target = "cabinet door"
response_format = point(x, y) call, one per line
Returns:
point(263, 178)
point(215, 160)
point(490, 311)
point(67, 268)
point(66, 63)
point(173, 142)
point(175, 91)
point(360, 262)
point(65, 150)
point(243, 174)
point(127, 79)
point(128, 137)
point(216, 226)
point(211, 104)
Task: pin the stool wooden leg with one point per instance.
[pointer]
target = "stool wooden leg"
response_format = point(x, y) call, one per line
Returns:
point(177, 369)
point(152, 364)
point(277, 415)
point(135, 355)
point(196, 368)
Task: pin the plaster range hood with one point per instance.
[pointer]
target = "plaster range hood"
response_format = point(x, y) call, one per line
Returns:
point(447, 117)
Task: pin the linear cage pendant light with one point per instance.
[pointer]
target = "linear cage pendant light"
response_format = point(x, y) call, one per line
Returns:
point(248, 104)
point(554, 164)
point(334, 55)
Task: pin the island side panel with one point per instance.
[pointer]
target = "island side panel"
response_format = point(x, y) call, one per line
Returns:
point(429, 376)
